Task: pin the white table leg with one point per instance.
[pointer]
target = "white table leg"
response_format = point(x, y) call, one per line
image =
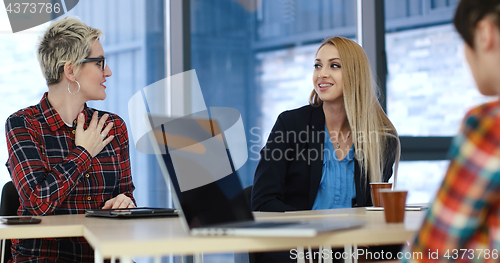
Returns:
point(98, 257)
point(329, 258)
point(348, 250)
point(355, 247)
point(320, 249)
point(2, 251)
point(198, 258)
point(126, 259)
point(113, 259)
point(300, 251)
point(158, 259)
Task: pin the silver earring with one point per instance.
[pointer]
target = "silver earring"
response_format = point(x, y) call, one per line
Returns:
point(69, 90)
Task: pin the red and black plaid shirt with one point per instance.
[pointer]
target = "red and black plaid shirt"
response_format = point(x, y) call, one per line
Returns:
point(55, 177)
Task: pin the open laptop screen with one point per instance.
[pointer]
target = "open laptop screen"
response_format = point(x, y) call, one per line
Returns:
point(195, 155)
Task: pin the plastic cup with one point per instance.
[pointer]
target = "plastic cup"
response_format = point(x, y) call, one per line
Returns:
point(376, 199)
point(394, 205)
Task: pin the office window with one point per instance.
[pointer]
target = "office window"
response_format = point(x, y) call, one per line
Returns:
point(422, 179)
point(285, 78)
point(429, 88)
point(21, 80)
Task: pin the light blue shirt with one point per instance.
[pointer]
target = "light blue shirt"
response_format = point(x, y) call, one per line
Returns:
point(337, 188)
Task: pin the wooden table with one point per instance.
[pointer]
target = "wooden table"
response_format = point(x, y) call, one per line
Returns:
point(164, 236)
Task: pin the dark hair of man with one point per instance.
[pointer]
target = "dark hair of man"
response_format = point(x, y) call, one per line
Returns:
point(470, 12)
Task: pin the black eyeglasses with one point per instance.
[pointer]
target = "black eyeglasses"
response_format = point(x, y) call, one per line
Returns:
point(102, 60)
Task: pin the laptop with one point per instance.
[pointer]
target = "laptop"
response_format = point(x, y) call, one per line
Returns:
point(193, 155)
point(136, 212)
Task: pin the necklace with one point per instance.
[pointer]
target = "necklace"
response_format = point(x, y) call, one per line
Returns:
point(337, 144)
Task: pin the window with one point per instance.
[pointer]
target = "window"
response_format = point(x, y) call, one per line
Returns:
point(429, 88)
point(421, 178)
point(20, 78)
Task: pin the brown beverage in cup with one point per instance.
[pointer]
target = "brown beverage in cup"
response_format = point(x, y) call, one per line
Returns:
point(377, 200)
point(394, 205)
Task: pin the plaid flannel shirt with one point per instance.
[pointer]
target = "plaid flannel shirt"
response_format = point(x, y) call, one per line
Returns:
point(463, 223)
point(55, 177)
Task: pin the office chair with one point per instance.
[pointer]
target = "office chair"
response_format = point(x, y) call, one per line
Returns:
point(248, 195)
point(8, 207)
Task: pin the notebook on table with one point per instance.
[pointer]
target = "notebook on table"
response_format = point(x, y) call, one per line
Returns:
point(137, 212)
point(193, 155)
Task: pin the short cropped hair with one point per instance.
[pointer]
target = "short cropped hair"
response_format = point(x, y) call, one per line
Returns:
point(66, 40)
point(470, 12)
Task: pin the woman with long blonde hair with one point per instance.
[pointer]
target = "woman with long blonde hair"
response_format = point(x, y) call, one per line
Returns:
point(324, 155)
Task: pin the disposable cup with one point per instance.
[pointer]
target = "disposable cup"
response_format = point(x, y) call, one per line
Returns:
point(394, 205)
point(375, 187)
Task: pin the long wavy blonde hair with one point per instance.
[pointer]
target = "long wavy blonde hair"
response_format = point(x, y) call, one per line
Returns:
point(369, 124)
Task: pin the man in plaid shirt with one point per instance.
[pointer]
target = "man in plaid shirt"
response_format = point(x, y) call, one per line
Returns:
point(463, 223)
point(65, 157)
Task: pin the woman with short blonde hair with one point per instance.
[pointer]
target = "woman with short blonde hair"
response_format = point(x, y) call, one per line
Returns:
point(65, 157)
point(66, 41)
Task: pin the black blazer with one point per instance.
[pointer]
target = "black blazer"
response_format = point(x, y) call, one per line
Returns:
point(289, 172)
